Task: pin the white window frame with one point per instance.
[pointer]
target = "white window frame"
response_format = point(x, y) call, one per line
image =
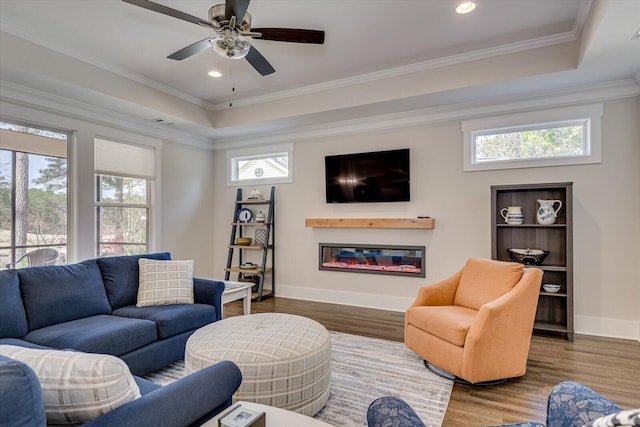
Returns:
point(154, 187)
point(235, 156)
point(590, 115)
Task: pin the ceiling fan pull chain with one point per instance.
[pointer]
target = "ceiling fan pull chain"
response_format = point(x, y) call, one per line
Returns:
point(233, 89)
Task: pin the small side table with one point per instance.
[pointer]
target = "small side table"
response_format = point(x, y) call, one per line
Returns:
point(276, 417)
point(237, 290)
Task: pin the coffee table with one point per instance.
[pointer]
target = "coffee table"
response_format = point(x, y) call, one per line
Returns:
point(285, 359)
point(236, 290)
point(276, 417)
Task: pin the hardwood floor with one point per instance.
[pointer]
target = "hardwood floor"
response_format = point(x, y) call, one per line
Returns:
point(609, 366)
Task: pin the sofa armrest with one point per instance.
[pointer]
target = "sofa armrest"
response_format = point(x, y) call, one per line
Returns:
point(189, 401)
point(209, 292)
point(572, 404)
point(21, 401)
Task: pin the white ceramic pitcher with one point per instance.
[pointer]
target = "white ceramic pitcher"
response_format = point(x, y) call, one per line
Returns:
point(512, 215)
point(547, 213)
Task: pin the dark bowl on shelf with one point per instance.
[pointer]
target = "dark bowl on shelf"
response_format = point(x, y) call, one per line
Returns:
point(528, 256)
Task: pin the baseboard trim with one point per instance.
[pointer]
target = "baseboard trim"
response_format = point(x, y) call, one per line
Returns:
point(585, 325)
point(606, 327)
point(357, 299)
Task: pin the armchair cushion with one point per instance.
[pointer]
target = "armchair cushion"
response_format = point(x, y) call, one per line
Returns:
point(450, 323)
point(165, 282)
point(485, 280)
point(77, 387)
point(13, 320)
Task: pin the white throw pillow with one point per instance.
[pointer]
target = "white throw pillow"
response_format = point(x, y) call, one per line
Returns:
point(165, 282)
point(77, 387)
point(629, 418)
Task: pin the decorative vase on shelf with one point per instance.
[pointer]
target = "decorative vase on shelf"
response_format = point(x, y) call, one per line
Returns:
point(547, 213)
point(261, 217)
point(512, 215)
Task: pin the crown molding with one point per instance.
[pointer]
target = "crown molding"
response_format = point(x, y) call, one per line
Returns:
point(44, 101)
point(38, 39)
point(569, 36)
point(543, 99)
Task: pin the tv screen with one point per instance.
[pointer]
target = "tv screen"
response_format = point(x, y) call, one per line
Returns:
point(381, 176)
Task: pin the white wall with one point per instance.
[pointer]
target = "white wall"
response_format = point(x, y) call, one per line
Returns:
point(606, 226)
point(187, 206)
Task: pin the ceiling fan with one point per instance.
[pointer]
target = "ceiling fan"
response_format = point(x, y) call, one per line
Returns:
point(232, 26)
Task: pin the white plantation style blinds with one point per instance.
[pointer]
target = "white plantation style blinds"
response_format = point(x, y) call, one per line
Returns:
point(116, 158)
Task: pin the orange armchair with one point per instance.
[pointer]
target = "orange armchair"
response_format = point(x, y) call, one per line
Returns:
point(476, 324)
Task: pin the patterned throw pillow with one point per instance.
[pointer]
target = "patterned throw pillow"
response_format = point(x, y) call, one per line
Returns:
point(623, 418)
point(165, 282)
point(77, 387)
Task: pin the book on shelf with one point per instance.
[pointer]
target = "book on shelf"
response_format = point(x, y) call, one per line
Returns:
point(241, 416)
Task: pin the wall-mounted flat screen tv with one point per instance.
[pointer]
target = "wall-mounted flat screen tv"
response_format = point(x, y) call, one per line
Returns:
point(381, 176)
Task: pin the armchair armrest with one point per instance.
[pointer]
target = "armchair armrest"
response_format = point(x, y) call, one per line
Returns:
point(186, 402)
point(572, 404)
point(209, 292)
point(500, 335)
point(439, 293)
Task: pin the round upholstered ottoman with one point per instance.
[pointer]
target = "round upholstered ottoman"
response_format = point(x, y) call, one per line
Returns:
point(285, 360)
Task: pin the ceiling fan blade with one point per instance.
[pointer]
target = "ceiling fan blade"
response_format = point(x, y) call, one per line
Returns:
point(191, 50)
point(259, 62)
point(170, 12)
point(236, 8)
point(294, 35)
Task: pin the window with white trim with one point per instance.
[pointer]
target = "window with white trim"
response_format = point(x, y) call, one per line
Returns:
point(554, 137)
point(260, 165)
point(124, 183)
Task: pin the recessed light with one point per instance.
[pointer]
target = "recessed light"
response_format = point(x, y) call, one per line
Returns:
point(215, 74)
point(465, 7)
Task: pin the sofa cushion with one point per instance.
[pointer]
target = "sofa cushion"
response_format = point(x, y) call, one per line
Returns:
point(21, 402)
point(172, 320)
point(77, 387)
point(13, 319)
point(165, 282)
point(97, 334)
point(448, 322)
point(120, 275)
point(484, 280)
point(60, 293)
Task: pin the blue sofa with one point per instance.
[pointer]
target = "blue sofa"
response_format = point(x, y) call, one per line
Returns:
point(569, 404)
point(90, 307)
point(187, 402)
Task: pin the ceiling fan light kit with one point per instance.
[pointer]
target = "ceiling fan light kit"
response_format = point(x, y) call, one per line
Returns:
point(231, 45)
point(232, 38)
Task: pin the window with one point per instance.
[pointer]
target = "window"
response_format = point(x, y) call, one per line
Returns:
point(554, 137)
point(261, 165)
point(33, 196)
point(124, 183)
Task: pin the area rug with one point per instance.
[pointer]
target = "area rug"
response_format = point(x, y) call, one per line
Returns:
point(362, 370)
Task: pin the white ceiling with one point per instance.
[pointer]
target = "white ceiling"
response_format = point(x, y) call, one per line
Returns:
point(379, 57)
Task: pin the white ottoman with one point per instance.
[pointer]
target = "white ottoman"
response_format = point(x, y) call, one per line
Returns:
point(285, 359)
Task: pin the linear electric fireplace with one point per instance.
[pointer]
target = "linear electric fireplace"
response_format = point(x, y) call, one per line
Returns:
point(378, 259)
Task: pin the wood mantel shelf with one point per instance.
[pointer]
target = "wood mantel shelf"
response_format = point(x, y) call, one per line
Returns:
point(424, 223)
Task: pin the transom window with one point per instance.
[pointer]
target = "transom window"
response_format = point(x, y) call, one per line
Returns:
point(260, 165)
point(528, 140)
